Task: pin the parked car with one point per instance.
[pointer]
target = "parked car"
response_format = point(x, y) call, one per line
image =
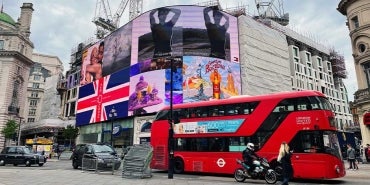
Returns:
point(20, 155)
point(92, 156)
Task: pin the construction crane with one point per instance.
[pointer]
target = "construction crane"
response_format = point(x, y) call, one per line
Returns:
point(272, 9)
point(106, 22)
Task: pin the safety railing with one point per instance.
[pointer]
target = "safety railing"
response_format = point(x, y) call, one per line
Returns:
point(92, 163)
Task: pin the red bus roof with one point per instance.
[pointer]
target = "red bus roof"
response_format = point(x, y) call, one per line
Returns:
point(246, 98)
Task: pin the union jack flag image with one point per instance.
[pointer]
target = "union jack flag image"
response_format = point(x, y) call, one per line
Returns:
point(98, 98)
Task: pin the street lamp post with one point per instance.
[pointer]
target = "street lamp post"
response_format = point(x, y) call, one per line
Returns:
point(112, 115)
point(170, 130)
point(19, 131)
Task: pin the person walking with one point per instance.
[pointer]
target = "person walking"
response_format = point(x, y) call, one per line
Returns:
point(351, 156)
point(366, 151)
point(285, 159)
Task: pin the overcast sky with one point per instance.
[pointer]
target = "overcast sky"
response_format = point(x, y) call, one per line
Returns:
point(59, 25)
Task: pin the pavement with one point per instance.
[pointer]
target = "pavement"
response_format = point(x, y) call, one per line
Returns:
point(60, 172)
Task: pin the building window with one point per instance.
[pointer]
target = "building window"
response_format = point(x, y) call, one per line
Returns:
point(37, 77)
point(319, 62)
point(74, 92)
point(33, 102)
point(32, 112)
point(362, 48)
point(36, 85)
point(295, 51)
point(34, 94)
point(14, 101)
point(308, 57)
point(1, 44)
point(355, 22)
point(329, 66)
point(31, 120)
point(366, 67)
point(18, 70)
point(37, 69)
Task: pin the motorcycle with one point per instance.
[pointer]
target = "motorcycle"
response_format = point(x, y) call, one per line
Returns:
point(262, 171)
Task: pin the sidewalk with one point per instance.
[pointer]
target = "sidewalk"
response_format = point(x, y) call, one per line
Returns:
point(362, 172)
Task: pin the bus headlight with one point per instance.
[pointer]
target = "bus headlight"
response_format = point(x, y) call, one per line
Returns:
point(337, 169)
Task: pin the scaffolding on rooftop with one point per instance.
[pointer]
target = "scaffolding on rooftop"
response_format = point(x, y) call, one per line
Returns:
point(338, 64)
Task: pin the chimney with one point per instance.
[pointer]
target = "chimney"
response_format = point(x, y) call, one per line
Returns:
point(25, 19)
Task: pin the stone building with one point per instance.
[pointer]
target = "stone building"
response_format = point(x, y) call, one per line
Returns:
point(16, 51)
point(358, 22)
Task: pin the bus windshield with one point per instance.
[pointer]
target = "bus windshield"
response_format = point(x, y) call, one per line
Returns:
point(316, 142)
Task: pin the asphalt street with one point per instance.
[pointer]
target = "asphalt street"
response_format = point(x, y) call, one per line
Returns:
point(60, 172)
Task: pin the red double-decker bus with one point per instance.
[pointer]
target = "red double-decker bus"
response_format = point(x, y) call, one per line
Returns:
point(211, 135)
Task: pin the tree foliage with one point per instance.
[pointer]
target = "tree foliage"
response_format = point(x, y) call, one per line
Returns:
point(70, 132)
point(10, 129)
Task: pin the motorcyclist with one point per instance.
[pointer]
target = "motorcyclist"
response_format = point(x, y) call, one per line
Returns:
point(249, 156)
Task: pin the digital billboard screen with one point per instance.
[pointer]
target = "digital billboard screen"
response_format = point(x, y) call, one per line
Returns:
point(201, 43)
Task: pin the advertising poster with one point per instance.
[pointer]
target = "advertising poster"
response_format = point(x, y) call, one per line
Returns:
point(208, 78)
point(91, 68)
point(147, 92)
point(117, 50)
point(224, 126)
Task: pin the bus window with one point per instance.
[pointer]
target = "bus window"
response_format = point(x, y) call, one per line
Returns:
point(214, 111)
point(183, 113)
point(303, 103)
point(230, 110)
point(162, 115)
point(320, 103)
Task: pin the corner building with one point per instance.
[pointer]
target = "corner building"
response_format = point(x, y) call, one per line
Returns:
point(16, 50)
point(358, 22)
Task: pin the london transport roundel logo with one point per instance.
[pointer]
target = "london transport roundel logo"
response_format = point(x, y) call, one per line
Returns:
point(221, 162)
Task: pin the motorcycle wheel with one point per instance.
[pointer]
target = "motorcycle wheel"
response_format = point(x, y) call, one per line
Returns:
point(238, 175)
point(270, 177)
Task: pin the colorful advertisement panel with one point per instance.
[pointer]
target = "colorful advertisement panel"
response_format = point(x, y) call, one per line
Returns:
point(91, 67)
point(224, 126)
point(206, 78)
point(201, 45)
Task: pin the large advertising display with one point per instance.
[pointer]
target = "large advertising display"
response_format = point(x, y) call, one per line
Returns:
point(201, 45)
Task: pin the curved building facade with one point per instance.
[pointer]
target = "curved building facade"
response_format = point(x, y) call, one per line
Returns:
point(358, 22)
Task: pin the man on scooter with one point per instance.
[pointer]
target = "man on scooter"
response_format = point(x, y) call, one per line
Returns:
point(249, 156)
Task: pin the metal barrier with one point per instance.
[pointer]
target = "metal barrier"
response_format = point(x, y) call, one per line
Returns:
point(98, 165)
point(136, 162)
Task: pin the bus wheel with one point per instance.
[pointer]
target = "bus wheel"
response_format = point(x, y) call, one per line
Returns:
point(178, 166)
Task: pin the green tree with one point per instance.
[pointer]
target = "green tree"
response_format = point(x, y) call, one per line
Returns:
point(70, 132)
point(9, 130)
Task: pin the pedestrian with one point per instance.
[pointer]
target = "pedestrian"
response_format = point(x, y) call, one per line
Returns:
point(351, 157)
point(57, 151)
point(366, 149)
point(285, 159)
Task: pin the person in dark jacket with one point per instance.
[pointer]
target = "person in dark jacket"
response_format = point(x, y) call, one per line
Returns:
point(249, 156)
point(285, 159)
